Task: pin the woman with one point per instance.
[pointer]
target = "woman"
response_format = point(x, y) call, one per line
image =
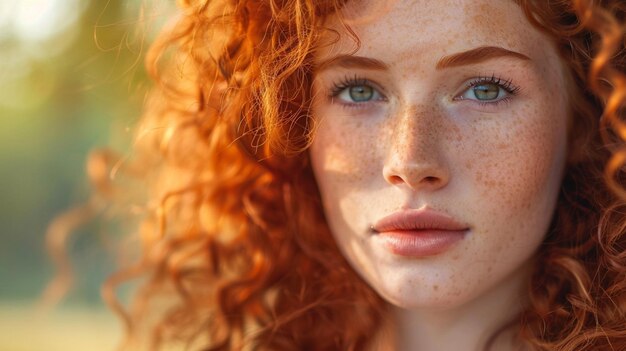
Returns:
point(398, 175)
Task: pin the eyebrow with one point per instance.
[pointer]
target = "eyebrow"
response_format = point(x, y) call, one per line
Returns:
point(477, 55)
point(351, 61)
point(472, 56)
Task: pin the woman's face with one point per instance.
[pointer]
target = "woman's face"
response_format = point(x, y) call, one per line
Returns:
point(452, 106)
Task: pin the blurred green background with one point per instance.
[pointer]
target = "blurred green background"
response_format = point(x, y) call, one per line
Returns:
point(71, 80)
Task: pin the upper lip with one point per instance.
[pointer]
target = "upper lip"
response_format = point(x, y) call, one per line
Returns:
point(418, 220)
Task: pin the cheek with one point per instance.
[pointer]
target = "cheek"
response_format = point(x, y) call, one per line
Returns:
point(343, 154)
point(510, 168)
point(518, 166)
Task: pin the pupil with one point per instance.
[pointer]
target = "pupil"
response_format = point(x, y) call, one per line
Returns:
point(486, 91)
point(361, 92)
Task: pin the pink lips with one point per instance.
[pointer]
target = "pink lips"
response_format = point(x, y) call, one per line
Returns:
point(417, 233)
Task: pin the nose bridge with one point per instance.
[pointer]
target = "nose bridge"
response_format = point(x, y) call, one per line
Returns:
point(415, 155)
point(415, 133)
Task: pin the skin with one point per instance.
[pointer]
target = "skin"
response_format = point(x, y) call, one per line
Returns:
point(424, 139)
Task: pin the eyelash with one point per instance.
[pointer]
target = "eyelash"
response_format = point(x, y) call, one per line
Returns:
point(347, 82)
point(506, 84)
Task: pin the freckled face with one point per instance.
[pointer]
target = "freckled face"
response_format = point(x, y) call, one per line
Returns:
point(483, 141)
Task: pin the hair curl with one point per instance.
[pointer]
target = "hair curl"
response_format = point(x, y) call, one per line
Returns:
point(236, 252)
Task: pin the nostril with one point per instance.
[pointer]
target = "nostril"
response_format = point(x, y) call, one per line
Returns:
point(396, 179)
point(430, 179)
point(415, 175)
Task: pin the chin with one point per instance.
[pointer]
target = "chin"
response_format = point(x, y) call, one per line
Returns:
point(404, 291)
point(443, 300)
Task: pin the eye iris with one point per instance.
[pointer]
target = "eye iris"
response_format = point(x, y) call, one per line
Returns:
point(486, 91)
point(361, 92)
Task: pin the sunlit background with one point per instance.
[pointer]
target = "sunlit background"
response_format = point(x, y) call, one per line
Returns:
point(71, 80)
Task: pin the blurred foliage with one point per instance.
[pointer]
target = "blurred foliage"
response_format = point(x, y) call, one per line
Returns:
point(71, 79)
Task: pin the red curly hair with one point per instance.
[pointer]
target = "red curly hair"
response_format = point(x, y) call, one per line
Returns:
point(235, 250)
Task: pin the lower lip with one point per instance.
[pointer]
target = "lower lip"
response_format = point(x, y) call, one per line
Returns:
point(420, 243)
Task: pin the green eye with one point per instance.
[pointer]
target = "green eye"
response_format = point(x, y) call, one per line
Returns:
point(359, 93)
point(487, 91)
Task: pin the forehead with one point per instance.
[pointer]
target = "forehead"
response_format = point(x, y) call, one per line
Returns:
point(404, 30)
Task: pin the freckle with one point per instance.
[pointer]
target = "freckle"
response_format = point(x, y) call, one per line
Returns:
point(435, 287)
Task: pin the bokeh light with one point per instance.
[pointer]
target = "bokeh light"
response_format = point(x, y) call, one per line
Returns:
point(71, 80)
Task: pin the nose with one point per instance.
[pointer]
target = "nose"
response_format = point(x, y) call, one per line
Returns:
point(416, 158)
